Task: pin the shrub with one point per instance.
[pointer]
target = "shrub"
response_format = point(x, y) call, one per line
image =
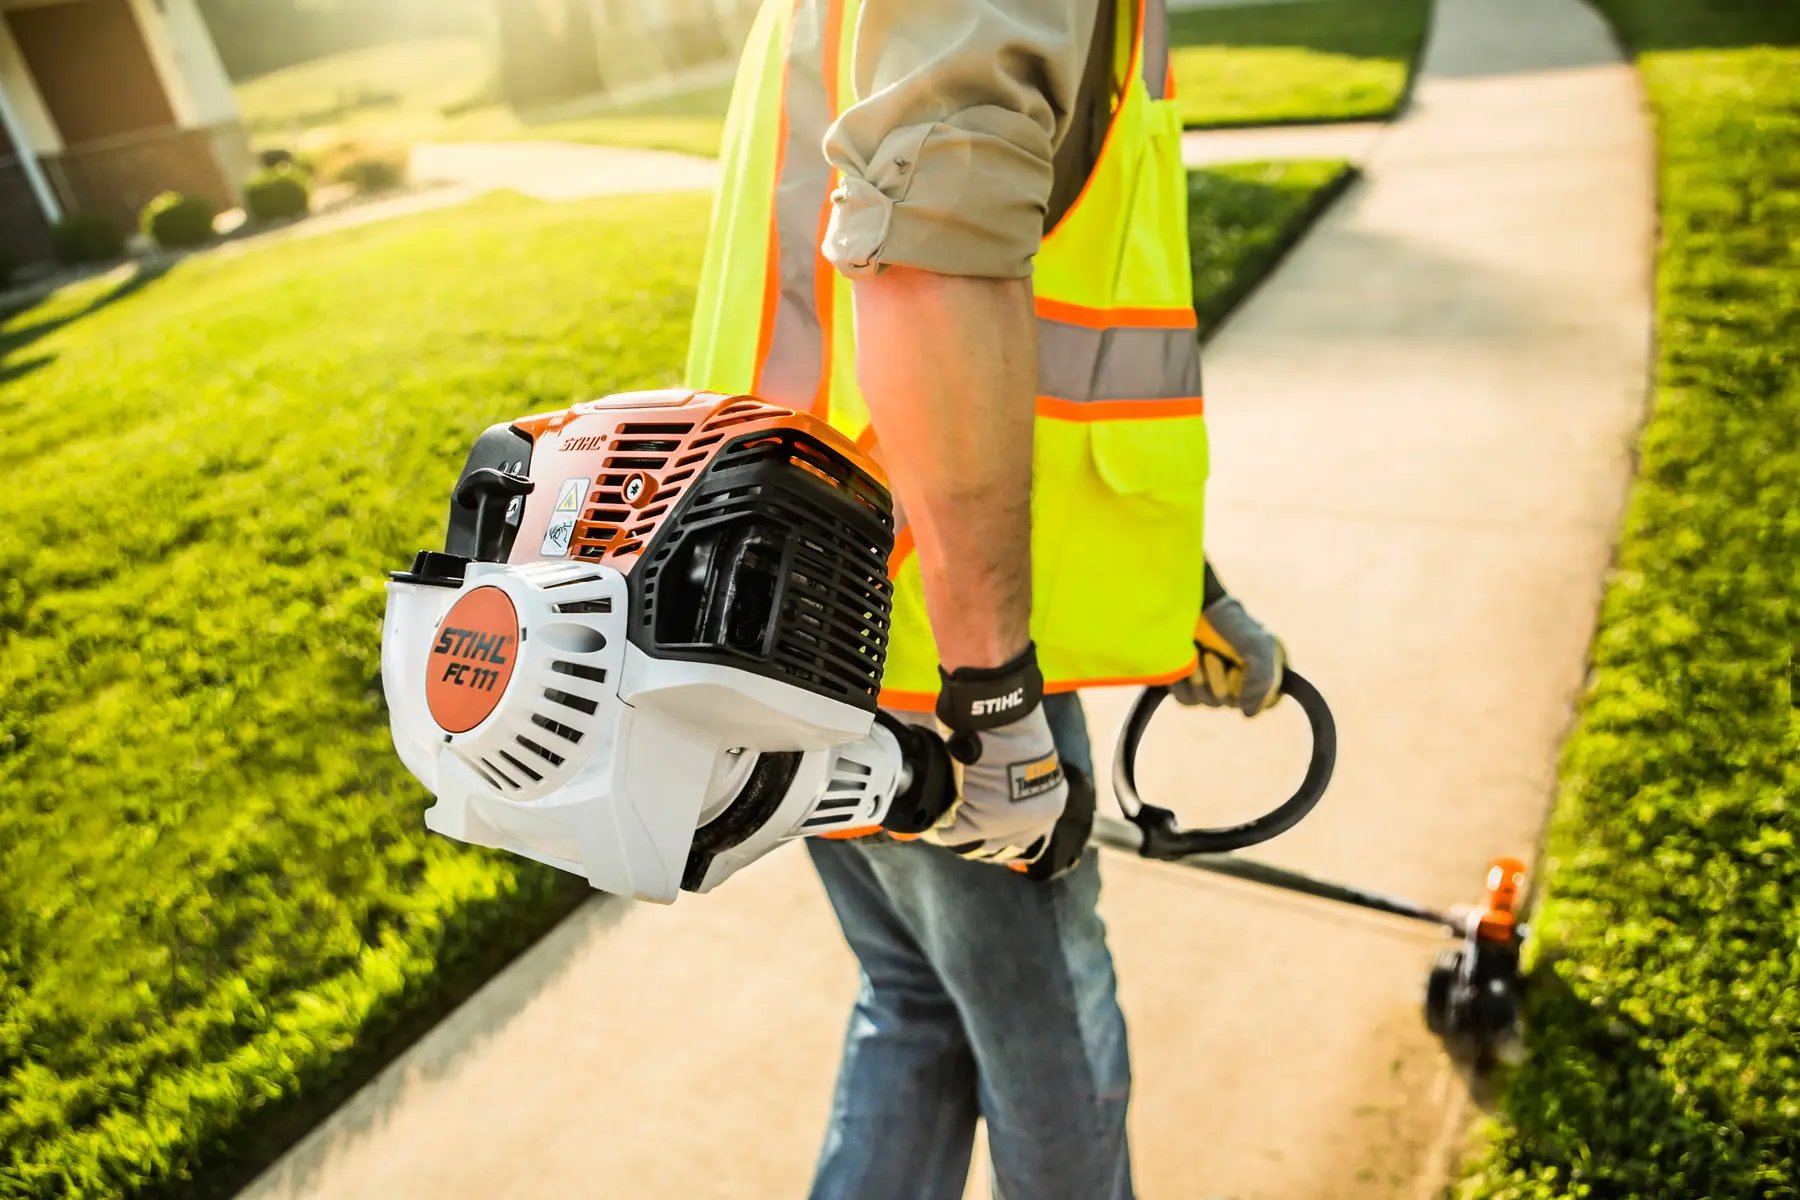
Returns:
point(374, 170)
point(176, 222)
point(277, 194)
point(86, 238)
point(6, 268)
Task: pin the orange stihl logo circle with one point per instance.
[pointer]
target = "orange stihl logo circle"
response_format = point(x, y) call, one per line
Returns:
point(471, 659)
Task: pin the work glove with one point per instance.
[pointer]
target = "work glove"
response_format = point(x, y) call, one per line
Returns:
point(1010, 783)
point(1240, 663)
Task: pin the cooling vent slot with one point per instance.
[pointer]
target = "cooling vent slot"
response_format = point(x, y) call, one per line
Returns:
point(549, 756)
point(568, 733)
point(569, 700)
point(495, 776)
point(586, 606)
point(739, 412)
point(585, 576)
point(846, 796)
point(594, 674)
point(534, 776)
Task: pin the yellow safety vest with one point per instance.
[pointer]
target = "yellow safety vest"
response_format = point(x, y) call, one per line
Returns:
point(1120, 456)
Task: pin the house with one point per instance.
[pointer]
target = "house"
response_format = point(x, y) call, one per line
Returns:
point(103, 104)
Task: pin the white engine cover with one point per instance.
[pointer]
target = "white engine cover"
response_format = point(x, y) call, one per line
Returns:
point(519, 701)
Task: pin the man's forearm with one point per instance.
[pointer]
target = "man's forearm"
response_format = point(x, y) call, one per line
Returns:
point(948, 367)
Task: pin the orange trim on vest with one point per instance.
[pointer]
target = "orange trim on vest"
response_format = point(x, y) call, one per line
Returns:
point(765, 337)
point(905, 701)
point(823, 271)
point(1131, 72)
point(1112, 318)
point(927, 701)
point(908, 701)
point(1057, 687)
point(903, 546)
point(1119, 410)
point(840, 835)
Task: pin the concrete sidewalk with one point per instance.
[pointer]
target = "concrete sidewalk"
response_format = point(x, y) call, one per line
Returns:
point(561, 170)
point(1422, 436)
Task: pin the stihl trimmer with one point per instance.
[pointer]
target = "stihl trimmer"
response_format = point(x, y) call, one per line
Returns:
point(650, 652)
point(1472, 993)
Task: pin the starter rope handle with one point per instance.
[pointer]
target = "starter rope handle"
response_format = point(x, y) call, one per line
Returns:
point(1164, 838)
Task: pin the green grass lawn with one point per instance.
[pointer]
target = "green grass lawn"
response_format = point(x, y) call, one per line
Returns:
point(1323, 60)
point(395, 91)
point(691, 122)
point(214, 888)
point(219, 908)
point(1664, 1003)
point(405, 92)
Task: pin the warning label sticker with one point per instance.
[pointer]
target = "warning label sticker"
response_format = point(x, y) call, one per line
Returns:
point(561, 529)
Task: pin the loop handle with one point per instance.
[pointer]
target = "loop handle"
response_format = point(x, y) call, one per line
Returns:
point(1164, 838)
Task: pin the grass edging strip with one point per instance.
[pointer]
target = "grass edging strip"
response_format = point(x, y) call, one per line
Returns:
point(1663, 1012)
point(1224, 203)
point(1314, 62)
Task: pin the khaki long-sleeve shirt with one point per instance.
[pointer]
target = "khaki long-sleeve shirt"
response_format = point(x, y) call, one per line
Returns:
point(978, 124)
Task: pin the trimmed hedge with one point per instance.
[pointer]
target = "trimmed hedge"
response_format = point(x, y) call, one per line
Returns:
point(177, 222)
point(86, 238)
point(379, 169)
point(1664, 1006)
point(277, 194)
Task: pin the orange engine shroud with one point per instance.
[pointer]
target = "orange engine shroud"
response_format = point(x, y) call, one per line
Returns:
point(749, 535)
point(640, 451)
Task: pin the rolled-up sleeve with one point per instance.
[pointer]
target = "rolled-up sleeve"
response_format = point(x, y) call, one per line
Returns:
point(947, 160)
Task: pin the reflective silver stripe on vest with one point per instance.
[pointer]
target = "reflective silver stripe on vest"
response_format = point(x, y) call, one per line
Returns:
point(1156, 49)
point(793, 371)
point(1082, 364)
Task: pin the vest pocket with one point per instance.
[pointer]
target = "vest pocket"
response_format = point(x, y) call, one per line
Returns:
point(1120, 511)
point(1164, 458)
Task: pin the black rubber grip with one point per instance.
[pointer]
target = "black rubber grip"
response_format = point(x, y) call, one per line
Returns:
point(933, 788)
point(1164, 838)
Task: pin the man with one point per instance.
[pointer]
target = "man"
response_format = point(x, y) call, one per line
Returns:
point(957, 228)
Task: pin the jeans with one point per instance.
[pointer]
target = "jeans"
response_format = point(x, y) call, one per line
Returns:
point(984, 994)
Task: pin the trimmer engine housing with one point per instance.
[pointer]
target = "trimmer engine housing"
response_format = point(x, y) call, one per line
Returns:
point(652, 645)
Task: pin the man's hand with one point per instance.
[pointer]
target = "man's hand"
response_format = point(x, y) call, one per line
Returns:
point(1241, 663)
point(1009, 793)
point(1010, 786)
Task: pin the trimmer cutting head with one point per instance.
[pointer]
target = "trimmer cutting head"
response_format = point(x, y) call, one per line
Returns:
point(651, 647)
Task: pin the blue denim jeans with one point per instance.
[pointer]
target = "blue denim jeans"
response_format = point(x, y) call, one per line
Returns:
point(986, 995)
